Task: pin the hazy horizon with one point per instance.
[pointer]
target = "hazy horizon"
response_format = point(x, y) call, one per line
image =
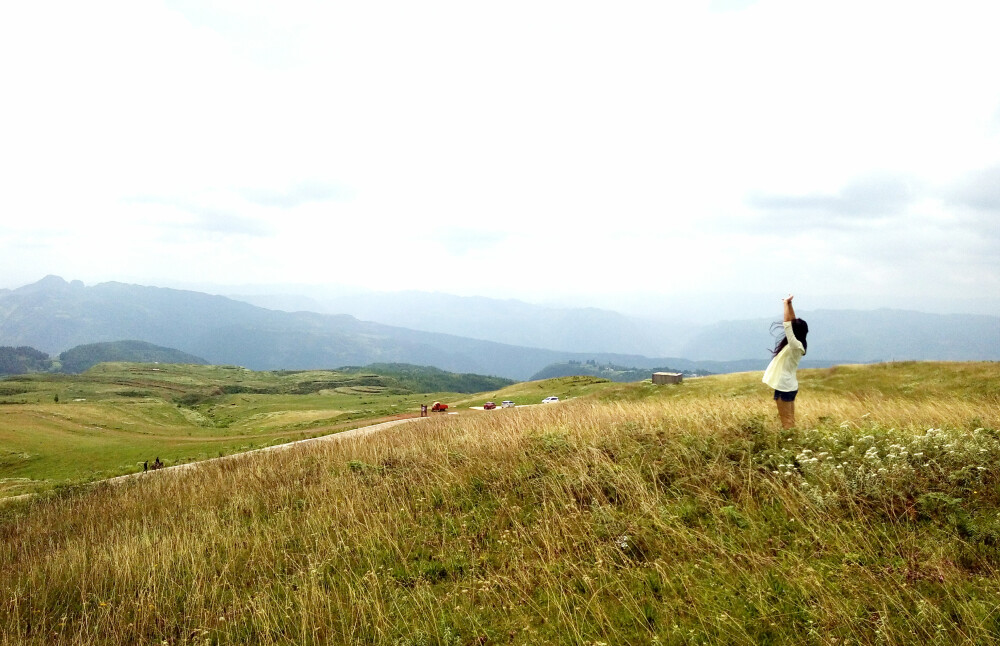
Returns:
point(706, 309)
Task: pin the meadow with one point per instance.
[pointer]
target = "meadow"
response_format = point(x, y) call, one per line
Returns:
point(61, 430)
point(58, 430)
point(630, 514)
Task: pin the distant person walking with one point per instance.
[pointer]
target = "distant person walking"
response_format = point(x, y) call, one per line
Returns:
point(787, 353)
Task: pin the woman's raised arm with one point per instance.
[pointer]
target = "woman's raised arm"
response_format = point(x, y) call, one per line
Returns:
point(789, 311)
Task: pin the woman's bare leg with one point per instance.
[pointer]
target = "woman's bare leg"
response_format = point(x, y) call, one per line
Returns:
point(786, 412)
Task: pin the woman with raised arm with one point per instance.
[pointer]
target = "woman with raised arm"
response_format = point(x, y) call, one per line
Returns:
point(780, 373)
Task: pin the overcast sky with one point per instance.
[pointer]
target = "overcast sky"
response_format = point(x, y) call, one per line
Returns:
point(618, 154)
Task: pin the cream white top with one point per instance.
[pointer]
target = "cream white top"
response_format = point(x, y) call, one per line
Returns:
point(780, 373)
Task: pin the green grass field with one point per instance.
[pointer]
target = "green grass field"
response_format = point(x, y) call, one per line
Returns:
point(629, 514)
point(60, 429)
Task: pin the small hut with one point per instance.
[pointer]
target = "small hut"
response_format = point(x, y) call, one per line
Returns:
point(661, 378)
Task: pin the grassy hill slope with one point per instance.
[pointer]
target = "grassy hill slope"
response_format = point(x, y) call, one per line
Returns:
point(428, 379)
point(58, 429)
point(633, 515)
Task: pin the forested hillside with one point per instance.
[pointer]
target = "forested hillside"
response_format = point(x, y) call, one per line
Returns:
point(86, 356)
point(23, 359)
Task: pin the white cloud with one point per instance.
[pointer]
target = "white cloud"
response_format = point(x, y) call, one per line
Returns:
point(468, 147)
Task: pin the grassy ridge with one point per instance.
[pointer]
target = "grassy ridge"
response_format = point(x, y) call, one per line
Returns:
point(638, 515)
point(429, 379)
point(533, 392)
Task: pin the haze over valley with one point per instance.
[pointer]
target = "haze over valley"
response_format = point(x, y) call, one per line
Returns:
point(467, 335)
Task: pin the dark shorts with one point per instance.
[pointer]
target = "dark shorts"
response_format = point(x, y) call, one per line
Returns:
point(785, 396)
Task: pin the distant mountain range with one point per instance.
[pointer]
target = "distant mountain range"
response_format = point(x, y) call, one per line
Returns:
point(621, 374)
point(877, 335)
point(54, 315)
point(507, 321)
point(836, 336)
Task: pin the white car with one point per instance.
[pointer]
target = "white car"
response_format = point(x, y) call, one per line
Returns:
point(550, 400)
point(506, 404)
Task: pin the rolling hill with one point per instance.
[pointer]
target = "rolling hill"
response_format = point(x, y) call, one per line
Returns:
point(83, 357)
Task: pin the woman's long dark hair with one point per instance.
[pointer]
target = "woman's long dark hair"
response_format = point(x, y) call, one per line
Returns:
point(799, 328)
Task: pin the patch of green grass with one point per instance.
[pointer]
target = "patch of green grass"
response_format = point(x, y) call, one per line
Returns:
point(116, 416)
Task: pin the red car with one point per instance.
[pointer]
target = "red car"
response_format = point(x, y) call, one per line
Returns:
point(439, 407)
point(489, 406)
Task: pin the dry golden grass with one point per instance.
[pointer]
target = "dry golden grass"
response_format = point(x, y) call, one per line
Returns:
point(642, 516)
